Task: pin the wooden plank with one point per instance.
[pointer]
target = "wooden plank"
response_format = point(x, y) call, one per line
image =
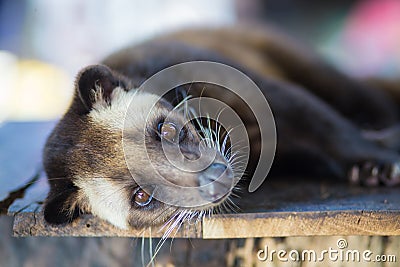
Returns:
point(21, 145)
point(283, 224)
point(282, 207)
point(33, 198)
point(301, 195)
point(33, 224)
point(301, 207)
point(325, 209)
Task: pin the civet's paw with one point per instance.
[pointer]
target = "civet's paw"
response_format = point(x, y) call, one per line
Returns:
point(373, 174)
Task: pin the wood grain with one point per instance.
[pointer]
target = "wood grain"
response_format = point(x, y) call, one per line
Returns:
point(33, 224)
point(21, 145)
point(284, 224)
point(281, 207)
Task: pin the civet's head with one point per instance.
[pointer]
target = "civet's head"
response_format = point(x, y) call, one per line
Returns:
point(98, 163)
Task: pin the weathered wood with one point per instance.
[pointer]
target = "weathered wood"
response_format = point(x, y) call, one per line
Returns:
point(282, 207)
point(21, 145)
point(33, 198)
point(336, 209)
point(33, 224)
point(283, 224)
point(305, 207)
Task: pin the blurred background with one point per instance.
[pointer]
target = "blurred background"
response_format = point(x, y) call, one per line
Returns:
point(44, 43)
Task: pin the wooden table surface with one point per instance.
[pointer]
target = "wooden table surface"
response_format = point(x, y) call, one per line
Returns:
point(285, 207)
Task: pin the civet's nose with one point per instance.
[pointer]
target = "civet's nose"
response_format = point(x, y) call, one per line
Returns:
point(215, 182)
point(216, 169)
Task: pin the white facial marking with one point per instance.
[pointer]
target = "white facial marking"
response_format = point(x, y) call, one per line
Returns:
point(113, 116)
point(107, 200)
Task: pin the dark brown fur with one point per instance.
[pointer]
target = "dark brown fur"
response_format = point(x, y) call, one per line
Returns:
point(319, 114)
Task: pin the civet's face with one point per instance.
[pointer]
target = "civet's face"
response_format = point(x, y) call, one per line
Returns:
point(109, 156)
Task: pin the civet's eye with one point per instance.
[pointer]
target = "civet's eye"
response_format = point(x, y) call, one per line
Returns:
point(142, 198)
point(168, 131)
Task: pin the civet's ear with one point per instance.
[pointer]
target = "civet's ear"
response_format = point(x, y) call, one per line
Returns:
point(60, 207)
point(96, 83)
